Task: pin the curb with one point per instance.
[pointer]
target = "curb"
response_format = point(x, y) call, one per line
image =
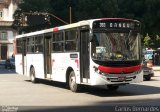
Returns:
point(156, 70)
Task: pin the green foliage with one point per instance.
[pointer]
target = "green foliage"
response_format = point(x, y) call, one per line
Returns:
point(157, 43)
point(89, 9)
point(35, 5)
point(60, 8)
point(147, 41)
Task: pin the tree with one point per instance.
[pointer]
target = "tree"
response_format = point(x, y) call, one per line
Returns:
point(33, 9)
point(89, 9)
point(157, 43)
point(147, 41)
point(151, 17)
point(35, 5)
point(146, 11)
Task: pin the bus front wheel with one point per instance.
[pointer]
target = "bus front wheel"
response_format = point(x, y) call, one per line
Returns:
point(74, 87)
point(32, 75)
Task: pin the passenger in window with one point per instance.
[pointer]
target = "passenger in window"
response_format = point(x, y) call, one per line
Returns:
point(37, 50)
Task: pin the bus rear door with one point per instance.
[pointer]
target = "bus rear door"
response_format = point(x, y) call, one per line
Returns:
point(47, 55)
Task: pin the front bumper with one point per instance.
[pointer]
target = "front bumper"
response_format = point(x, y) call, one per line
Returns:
point(118, 79)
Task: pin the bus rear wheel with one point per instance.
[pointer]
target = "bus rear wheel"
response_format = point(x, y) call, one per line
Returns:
point(32, 75)
point(74, 87)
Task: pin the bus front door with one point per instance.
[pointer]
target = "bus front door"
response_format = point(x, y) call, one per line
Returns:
point(47, 55)
point(84, 55)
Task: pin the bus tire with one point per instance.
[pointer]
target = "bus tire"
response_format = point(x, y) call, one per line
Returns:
point(148, 78)
point(32, 75)
point(74, 87)
point(112, 87)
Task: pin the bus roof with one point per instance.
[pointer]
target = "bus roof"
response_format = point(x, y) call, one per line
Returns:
point(73, 25)
point(54, 29)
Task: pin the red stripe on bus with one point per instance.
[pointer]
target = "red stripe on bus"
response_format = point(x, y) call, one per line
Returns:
point(53, 61)
point(121, 19)
point(120, 69)
point(77, 61)
point(55, 29)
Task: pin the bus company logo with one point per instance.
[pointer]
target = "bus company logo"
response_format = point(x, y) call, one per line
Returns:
point(9, 109)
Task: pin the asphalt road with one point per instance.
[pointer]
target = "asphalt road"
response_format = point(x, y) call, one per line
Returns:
point(17, 93)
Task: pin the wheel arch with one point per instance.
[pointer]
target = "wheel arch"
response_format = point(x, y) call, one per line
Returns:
point(30, 69)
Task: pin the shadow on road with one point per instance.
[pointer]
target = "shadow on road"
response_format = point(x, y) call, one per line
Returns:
point(128, 90)
point(7, 71)
point(68, 109)
point(92, 108)
point(49, 83)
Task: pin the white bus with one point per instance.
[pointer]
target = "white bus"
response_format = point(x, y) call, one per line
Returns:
point(98, 52)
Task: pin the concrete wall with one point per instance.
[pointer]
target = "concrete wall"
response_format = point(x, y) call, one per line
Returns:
point(9, 11)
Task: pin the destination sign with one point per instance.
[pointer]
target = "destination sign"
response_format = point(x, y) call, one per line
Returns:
point(115, 24)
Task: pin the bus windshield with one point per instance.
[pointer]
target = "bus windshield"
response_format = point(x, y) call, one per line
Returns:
point(116, 46)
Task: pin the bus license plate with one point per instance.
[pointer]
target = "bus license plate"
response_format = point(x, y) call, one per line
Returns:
point(121, 78)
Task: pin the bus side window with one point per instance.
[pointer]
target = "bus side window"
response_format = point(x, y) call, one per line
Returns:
point(71, 40)
point(30, 45)
point(38, 44)
point(58, 42)
point(19, 46)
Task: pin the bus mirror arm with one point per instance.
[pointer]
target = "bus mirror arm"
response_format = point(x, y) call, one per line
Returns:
point(90, 37)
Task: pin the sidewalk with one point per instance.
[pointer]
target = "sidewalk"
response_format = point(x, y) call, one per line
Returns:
point(156, 68)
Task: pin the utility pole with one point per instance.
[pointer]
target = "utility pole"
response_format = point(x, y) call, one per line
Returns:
point(70, 10)
point(70, 14)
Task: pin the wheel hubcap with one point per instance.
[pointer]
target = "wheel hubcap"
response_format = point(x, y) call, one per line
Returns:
point(32, 75)
point(72, 81)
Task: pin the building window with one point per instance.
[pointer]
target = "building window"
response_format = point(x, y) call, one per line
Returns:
point(3, 35)
point(1, 14)
point(2, 1)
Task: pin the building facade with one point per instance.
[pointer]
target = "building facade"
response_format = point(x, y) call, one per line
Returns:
point(7, 33)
